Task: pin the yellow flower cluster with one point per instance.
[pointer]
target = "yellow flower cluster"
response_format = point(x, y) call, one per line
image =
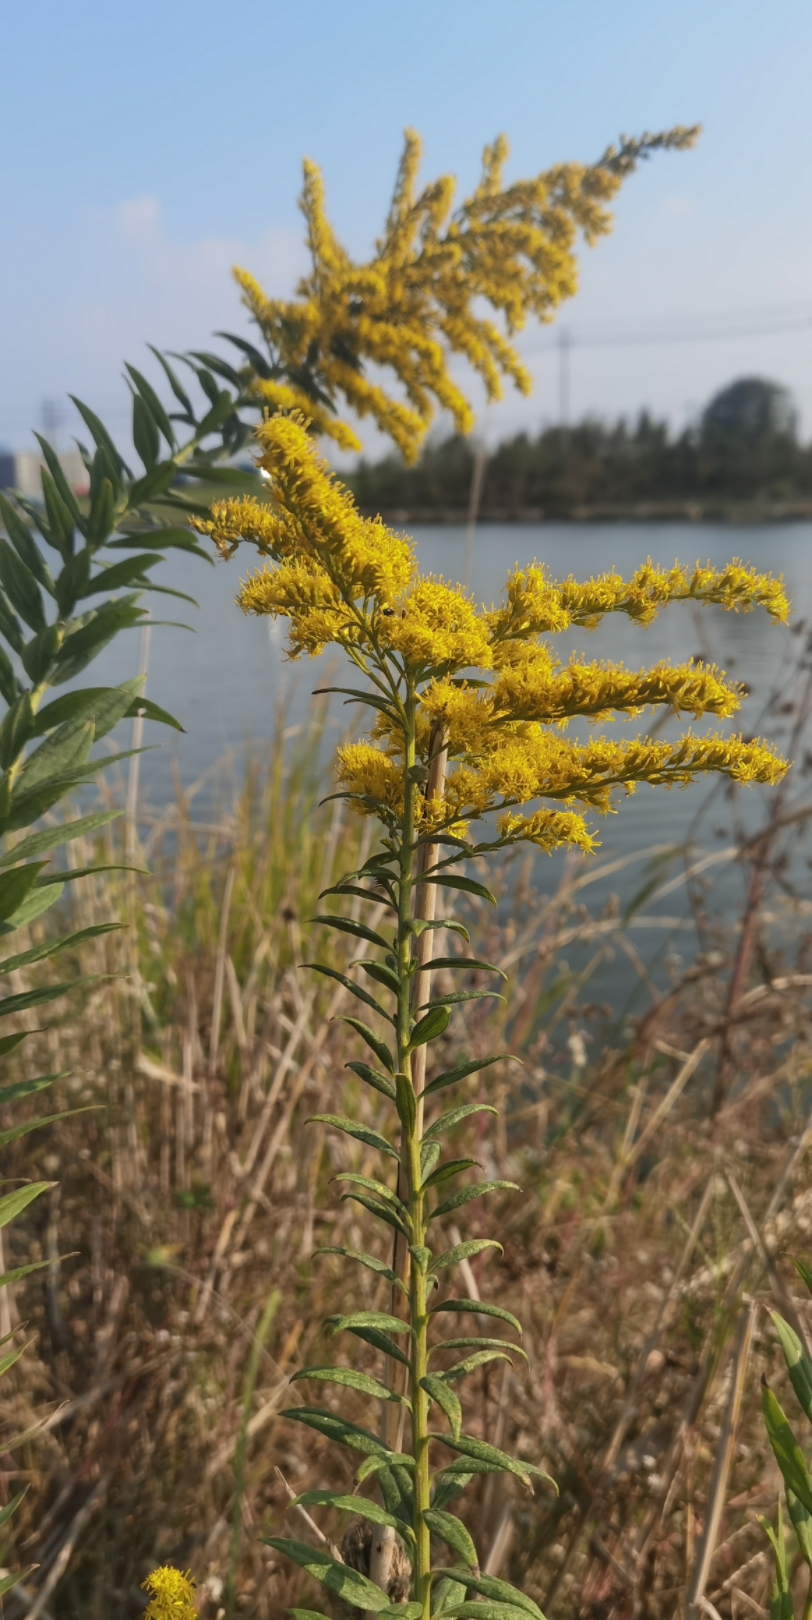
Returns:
point(171, 1595)
point(497, 693)
point(534, 605)
point(420, 298)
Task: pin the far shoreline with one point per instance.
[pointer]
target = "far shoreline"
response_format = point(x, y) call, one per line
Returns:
point(734, 512)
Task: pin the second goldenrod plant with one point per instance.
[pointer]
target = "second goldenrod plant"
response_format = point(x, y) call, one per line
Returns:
point(468, 754)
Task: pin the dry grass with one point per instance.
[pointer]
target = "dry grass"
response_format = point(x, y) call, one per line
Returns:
point(665, 1179)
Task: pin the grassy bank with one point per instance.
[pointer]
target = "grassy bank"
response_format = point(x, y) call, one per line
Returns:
point(665, 1176)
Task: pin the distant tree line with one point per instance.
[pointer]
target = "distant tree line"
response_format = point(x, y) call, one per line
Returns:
point(743, 452)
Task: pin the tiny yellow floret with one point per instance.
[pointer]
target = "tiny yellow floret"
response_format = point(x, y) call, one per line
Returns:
point(171, 1595)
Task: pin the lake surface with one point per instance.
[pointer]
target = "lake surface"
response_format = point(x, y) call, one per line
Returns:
point(228, 679)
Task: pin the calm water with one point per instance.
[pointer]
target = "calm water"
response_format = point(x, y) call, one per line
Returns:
point(226, 680)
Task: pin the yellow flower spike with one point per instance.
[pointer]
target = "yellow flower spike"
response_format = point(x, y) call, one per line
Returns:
point(437, 625)
point(420, 299)
point(171, 1595)
point(599, 690)
point(372, 774)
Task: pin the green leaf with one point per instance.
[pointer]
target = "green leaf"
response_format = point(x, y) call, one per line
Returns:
point(60, 519)
point(500, 1591)
point(350, 1585)
point(16, 884)
point(445, 1172)
point(802, 1525)
point(11, 1507)
point(461, 1369)
point(96, 630)
point(28, 1125)
point(451, 880)
point(371, 1262)
point(406, 1101)
point(52, 836)
point(453, 1532)
point(101, 521)
point(420, 926)
point(38, 901)
point(10, 626)
point(375, 1045)
point(12, 1204)
point(429, 1028)
point(153, 405)
point(67, 748)
point(453, 997)
point(9, 684)
point(781, 1604)
point(348, 925)
point(464, 1251)
point(374, 1078)
point(447, 1400)
point(445, 1593)
point(477, 1342)
point(381, 1211)
point(8, 1582)
point(177, 387)
point(788, 1453)
point(121, 575)
point(38, 657)
point(21, 588)
point(380, 974)
point(378, 1189)
point(360, 1133)
point(351, 1378)
point(799, 1365)
point(470, 964)
point(61, 484)
point(23, 1088)
point(381, 1321)
point(99, 434)
point(454, 1117)
point(478, 1307)
point(495, 1460)
point(349, 984)
point(46, 992)
point(337, 1429)
point(361, 1505)
point(462, 1071)
point(39, 953)
point(465, 1195)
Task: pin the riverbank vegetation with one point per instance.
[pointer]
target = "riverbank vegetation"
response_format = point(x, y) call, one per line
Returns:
point(742, 460)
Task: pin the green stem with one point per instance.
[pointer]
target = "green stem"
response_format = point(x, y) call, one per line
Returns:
point(411, 1177)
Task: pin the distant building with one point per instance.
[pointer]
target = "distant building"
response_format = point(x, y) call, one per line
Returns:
point(26, 470)
point(7, 469)
point(751, 409)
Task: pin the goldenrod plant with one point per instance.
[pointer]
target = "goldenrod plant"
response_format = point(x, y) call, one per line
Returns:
point(792, 1463)
point(73, 572)
point(430, 292)
point(468, 754)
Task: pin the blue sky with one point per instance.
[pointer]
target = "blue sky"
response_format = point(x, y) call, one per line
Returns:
point(148, 145)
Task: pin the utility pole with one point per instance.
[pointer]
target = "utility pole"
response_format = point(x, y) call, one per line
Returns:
point(51, 421)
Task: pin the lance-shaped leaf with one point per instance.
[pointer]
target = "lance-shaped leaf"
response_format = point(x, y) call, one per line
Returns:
point(419, 926)
point(353, 890)
point(455, 997)
point(380, 974)
point(445, 1592)
point(799, 1365)
point(478, 1307)
point(444, 1172)
point(40, 843)
point(12, 1204)
point(381, 1321)
point(447, 1400)
point(360, 1133)
point(466, 1194)
point(461, 1071)
point(374, 1078)
point(802, 1525)
point(373, 1465)
point(349, 984)
point(348, 1583)
point(360, 1505)
point(463, 1251)
point(367, 1329)
point(46, 992)
point(452, 880)
point(781, 1604)
point(382, 1212)
point(499, 1591)
point(374, 1043)
point(378, 1188)
point(453, 1532)
point(371, 1261)
point(493, 1458)
point(16, 885)
point(338, 1429)
point(804, 1273)
point(350, 1378)
point(429, 1028)
point(455, 1116)
point(788, 1453)
point(461, 1369)
point(467, 963)
point(348, 925)
point(477, 1342)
